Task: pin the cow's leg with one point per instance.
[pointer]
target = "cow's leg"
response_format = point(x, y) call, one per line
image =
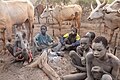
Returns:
point(3, 43)
point(4, 48)
point(78, 24)
point(105, 29)
point(28, 30)
point(111, 35)
point(60, 26)
point(31, 26)
point(3, 40)
point(38, 17)
point(9, 33)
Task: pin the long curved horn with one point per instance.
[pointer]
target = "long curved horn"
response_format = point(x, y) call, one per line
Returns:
point(92, 6)
point(119, 11)
point(98, 2)
point(104, 3)
point(114, 2)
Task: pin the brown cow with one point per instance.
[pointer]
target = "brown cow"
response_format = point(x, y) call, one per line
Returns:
point(15, 13)
point(63, 13)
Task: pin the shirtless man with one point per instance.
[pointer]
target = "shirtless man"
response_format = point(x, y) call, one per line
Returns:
point(100, 64)
point(20, 50)
point(78, 59)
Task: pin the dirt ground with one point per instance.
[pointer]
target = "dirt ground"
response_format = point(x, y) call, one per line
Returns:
point(17, 71)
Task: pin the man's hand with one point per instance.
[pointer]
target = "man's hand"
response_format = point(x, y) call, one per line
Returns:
point(98, 69)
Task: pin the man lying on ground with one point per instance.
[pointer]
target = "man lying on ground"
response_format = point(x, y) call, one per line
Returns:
point(100, 64)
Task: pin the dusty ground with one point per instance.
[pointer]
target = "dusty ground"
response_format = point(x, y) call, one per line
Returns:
point(63, 67)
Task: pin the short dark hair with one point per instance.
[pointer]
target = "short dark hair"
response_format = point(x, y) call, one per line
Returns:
point(101, 39)
point(92, 35)
point(24, 34)
point(86, 37)
point(74, 29)
point(43, 26)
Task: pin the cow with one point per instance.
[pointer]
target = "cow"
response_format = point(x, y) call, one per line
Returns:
point(114, 7)
point(111, 20)
point(63, 13)
point(38, 11)
point(13, 13)
point(111, 8)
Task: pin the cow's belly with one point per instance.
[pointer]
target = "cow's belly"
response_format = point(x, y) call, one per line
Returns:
point(17, 13)
point(19, 19)
point(68, 14)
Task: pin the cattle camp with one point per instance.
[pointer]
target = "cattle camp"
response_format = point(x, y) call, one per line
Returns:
point(59, 39)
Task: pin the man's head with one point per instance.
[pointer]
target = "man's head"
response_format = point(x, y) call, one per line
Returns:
point(91, 35)
point(43, 29)
point(73, 31)
point(85, 42)
point(24, 35)
point(99, 47)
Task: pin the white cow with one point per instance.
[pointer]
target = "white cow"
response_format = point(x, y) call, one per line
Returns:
point(114, 7)
point(111, 20)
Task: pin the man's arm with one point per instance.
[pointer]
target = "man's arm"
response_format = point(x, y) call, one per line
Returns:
point(35, 39)
point(78, 67)
point(77, 43)
point(64, 38)
point(50, 38)
point(115, 69)
point(89, 66)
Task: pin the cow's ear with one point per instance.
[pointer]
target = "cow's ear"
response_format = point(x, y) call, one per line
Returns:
point(50, 9)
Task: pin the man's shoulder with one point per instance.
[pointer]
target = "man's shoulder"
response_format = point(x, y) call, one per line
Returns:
point(89, 55)
point(113, 58)
point(48, 35)
point(37, 34)
point(90, 50)
point(66, 35)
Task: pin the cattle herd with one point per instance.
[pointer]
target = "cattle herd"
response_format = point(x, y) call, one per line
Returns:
point(22, 13)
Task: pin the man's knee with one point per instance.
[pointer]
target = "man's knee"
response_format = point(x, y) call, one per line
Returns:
point(106, 77)
point(78, 48)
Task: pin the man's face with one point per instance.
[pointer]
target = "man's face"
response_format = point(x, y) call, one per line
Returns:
point(73, 31)
point(84, 43)
point(43, 30)
point(98, 50)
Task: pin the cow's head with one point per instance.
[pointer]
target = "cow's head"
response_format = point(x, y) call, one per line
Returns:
point(46, 12)
point(109, 8)
point(98, 11)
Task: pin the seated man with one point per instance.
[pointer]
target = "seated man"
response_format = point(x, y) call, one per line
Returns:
point(100, 64)
point(78, 58)
point(69, 41)
point(20, 50)
point(42, 40)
